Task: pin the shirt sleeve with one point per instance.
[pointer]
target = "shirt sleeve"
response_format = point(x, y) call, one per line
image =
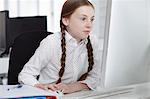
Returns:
point(95, 79)
point(33, 67)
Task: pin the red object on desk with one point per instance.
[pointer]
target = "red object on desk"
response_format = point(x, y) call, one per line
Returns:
point(51, 97)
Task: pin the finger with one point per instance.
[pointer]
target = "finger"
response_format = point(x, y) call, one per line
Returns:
point(39, 86)
point(61, 85)
point(52, 87)
point(57, 87)
point(62, 90)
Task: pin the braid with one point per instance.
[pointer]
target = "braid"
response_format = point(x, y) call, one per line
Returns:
point(63, 57)
point(68, 8)
point(90, 59)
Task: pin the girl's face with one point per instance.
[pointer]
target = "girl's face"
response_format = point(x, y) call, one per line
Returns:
point(79, 24)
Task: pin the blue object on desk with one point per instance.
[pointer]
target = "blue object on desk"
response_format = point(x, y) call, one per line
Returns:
point(37, 97)
point(25, 92)
point(18, 86)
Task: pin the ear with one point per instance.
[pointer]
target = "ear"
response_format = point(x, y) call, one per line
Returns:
point(65, 21)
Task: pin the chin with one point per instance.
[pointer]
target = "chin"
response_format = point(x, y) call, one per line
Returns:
point(84, 37)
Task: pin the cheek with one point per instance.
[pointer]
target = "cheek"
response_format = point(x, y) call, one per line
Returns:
point(77, 23)
point(77, 26)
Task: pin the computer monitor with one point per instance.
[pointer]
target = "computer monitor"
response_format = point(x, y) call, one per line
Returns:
point(10, 28)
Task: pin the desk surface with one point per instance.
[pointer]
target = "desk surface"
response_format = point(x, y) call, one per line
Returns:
point(137, 91)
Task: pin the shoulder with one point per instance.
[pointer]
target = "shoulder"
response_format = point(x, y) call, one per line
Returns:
point(96, 42)
point(52, 38)
point(50, 42)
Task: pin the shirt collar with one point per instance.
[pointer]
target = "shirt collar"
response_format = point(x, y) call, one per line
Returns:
point(69, 38)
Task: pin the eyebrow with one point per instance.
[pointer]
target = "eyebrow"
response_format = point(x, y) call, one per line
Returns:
point(86, 15)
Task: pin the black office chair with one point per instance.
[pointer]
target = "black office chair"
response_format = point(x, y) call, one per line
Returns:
point(23, 48)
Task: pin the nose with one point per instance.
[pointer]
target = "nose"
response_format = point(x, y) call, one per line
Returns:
point(89, 24)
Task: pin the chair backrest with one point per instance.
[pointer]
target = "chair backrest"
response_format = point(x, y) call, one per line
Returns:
point(23, 48)
point(10, 28)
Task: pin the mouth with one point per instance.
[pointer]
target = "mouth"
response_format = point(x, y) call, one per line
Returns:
point(86, 32)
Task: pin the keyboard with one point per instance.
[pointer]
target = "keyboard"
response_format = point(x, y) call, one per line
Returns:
point(99, 94)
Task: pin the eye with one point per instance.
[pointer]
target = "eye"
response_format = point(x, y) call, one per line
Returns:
point(92, 19)
point(83, 18)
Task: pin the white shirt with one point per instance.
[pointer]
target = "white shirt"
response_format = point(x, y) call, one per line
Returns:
point(46, 62)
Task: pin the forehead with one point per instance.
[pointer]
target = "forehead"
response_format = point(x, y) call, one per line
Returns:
point(84, 10)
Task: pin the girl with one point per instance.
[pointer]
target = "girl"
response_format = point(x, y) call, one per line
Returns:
point(67, 61)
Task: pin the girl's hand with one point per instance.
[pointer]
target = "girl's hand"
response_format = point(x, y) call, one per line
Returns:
point(41, 86)
point(70, 88)
point(65, 88)
point(51, 87)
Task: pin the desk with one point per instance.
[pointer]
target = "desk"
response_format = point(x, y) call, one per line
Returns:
point(137, 91)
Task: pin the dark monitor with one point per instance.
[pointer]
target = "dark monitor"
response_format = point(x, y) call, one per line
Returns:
point(3, 17)
point(18, 25)
point(13, 27)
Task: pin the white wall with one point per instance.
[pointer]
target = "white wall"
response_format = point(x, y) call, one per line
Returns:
point(148, 4)
point(100, 14)
point(148, 60)
point(129, 43)
point(2, 5)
